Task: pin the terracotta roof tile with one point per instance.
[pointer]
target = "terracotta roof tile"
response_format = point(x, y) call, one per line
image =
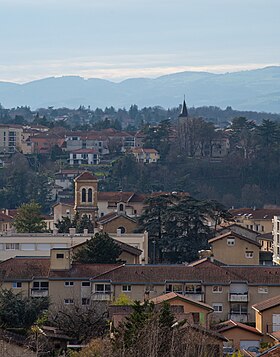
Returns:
point(267, 304)
point(231, 233)
point(258, 213)
point(170, 296)
point(24, 268)
point(86, 175)
point(230, 324)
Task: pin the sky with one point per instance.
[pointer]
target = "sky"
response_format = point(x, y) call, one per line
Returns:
point(119, 39)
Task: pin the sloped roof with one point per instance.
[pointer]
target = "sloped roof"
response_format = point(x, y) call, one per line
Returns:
point(24, 268)
point(184, 113)
point(227, 234)
point(85, 176)
point(271, 352)
point(170, 296)
point(267, 304)
point(5, 218)
point(230, 324)
point(112, 216)
point(258, 213)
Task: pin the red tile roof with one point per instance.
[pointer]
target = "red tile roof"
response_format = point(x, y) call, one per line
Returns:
point(113, 215)
point(233, 234)
point(85, 176)
point(5, 218)
point(271, 352)
point(171, 296)
point(267, 304)
point(24, 268)
point(258, 213)
point(230, 324)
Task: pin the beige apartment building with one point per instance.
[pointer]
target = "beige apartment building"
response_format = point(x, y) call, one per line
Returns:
point(10, 138)
point(229, 290)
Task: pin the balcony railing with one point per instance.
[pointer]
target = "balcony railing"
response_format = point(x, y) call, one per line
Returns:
point(234, 297)
point(239, 317)
point(101, 296)
point(35, 292)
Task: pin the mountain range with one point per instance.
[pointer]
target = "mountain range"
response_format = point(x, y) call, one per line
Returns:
point(257, 90)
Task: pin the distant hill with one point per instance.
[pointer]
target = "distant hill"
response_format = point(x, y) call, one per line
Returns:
point(257, 90)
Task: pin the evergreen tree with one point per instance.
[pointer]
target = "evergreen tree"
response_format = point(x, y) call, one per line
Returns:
point(28, 218)
point(100, 249)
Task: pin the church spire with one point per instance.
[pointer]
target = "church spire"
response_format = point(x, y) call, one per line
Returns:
point(184, 113)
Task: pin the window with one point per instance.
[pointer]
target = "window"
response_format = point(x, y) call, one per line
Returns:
point(177, 288)
point(68, 283)
point(41, 285)
point(27, 246)
point(85, 283)
point(126, 288)
point(84, 194)
point(196, 317)
point(193, 289)
point(103, 288)
point(85, 301)
point(43, 246)
point(249, 254)
point(231, 242)
point(59, 256)
point(121, 207)
point(68, 301)
point(122, 229)
point(218, 307)
point(17, 285)
point(12, 246)
point(262, 289)
point(90, 195)
point(217, 289)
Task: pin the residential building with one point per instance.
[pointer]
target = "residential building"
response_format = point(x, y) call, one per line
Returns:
point(6, 221)
point(276, 239)
point(256, 219)
point(45, 141)
point(268, 316)
point(239, 335)
point(10, 138)
point(116, 222)
point(84, 157)
point(146, 156)
point(235, 249)
point(231, 291)
point(197, 312)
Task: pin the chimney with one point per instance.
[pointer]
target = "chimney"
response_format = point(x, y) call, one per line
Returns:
point(119, 232)
point(55, 231)
point(72, 231)
point(60, 259)
point(85, 232)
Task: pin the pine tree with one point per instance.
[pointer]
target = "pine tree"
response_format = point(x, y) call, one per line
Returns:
point(100, 249)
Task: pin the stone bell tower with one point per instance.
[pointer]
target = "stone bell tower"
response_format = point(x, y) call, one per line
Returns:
point(86, 185)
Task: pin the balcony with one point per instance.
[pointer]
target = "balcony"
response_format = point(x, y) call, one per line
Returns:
point(235, 297)
point(39, 292)
point(239, 317)
point(99, 296)
point(197, 296)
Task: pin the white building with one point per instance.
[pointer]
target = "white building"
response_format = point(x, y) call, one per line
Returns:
point(84, 156)
point(276, 239)
point(40, 244)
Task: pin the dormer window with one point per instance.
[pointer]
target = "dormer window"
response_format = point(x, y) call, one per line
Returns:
point(231, 242)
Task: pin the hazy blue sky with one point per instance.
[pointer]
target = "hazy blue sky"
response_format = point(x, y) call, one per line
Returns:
point(117, 39)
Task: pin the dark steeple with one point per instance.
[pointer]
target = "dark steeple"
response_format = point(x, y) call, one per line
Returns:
point(184, 113)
